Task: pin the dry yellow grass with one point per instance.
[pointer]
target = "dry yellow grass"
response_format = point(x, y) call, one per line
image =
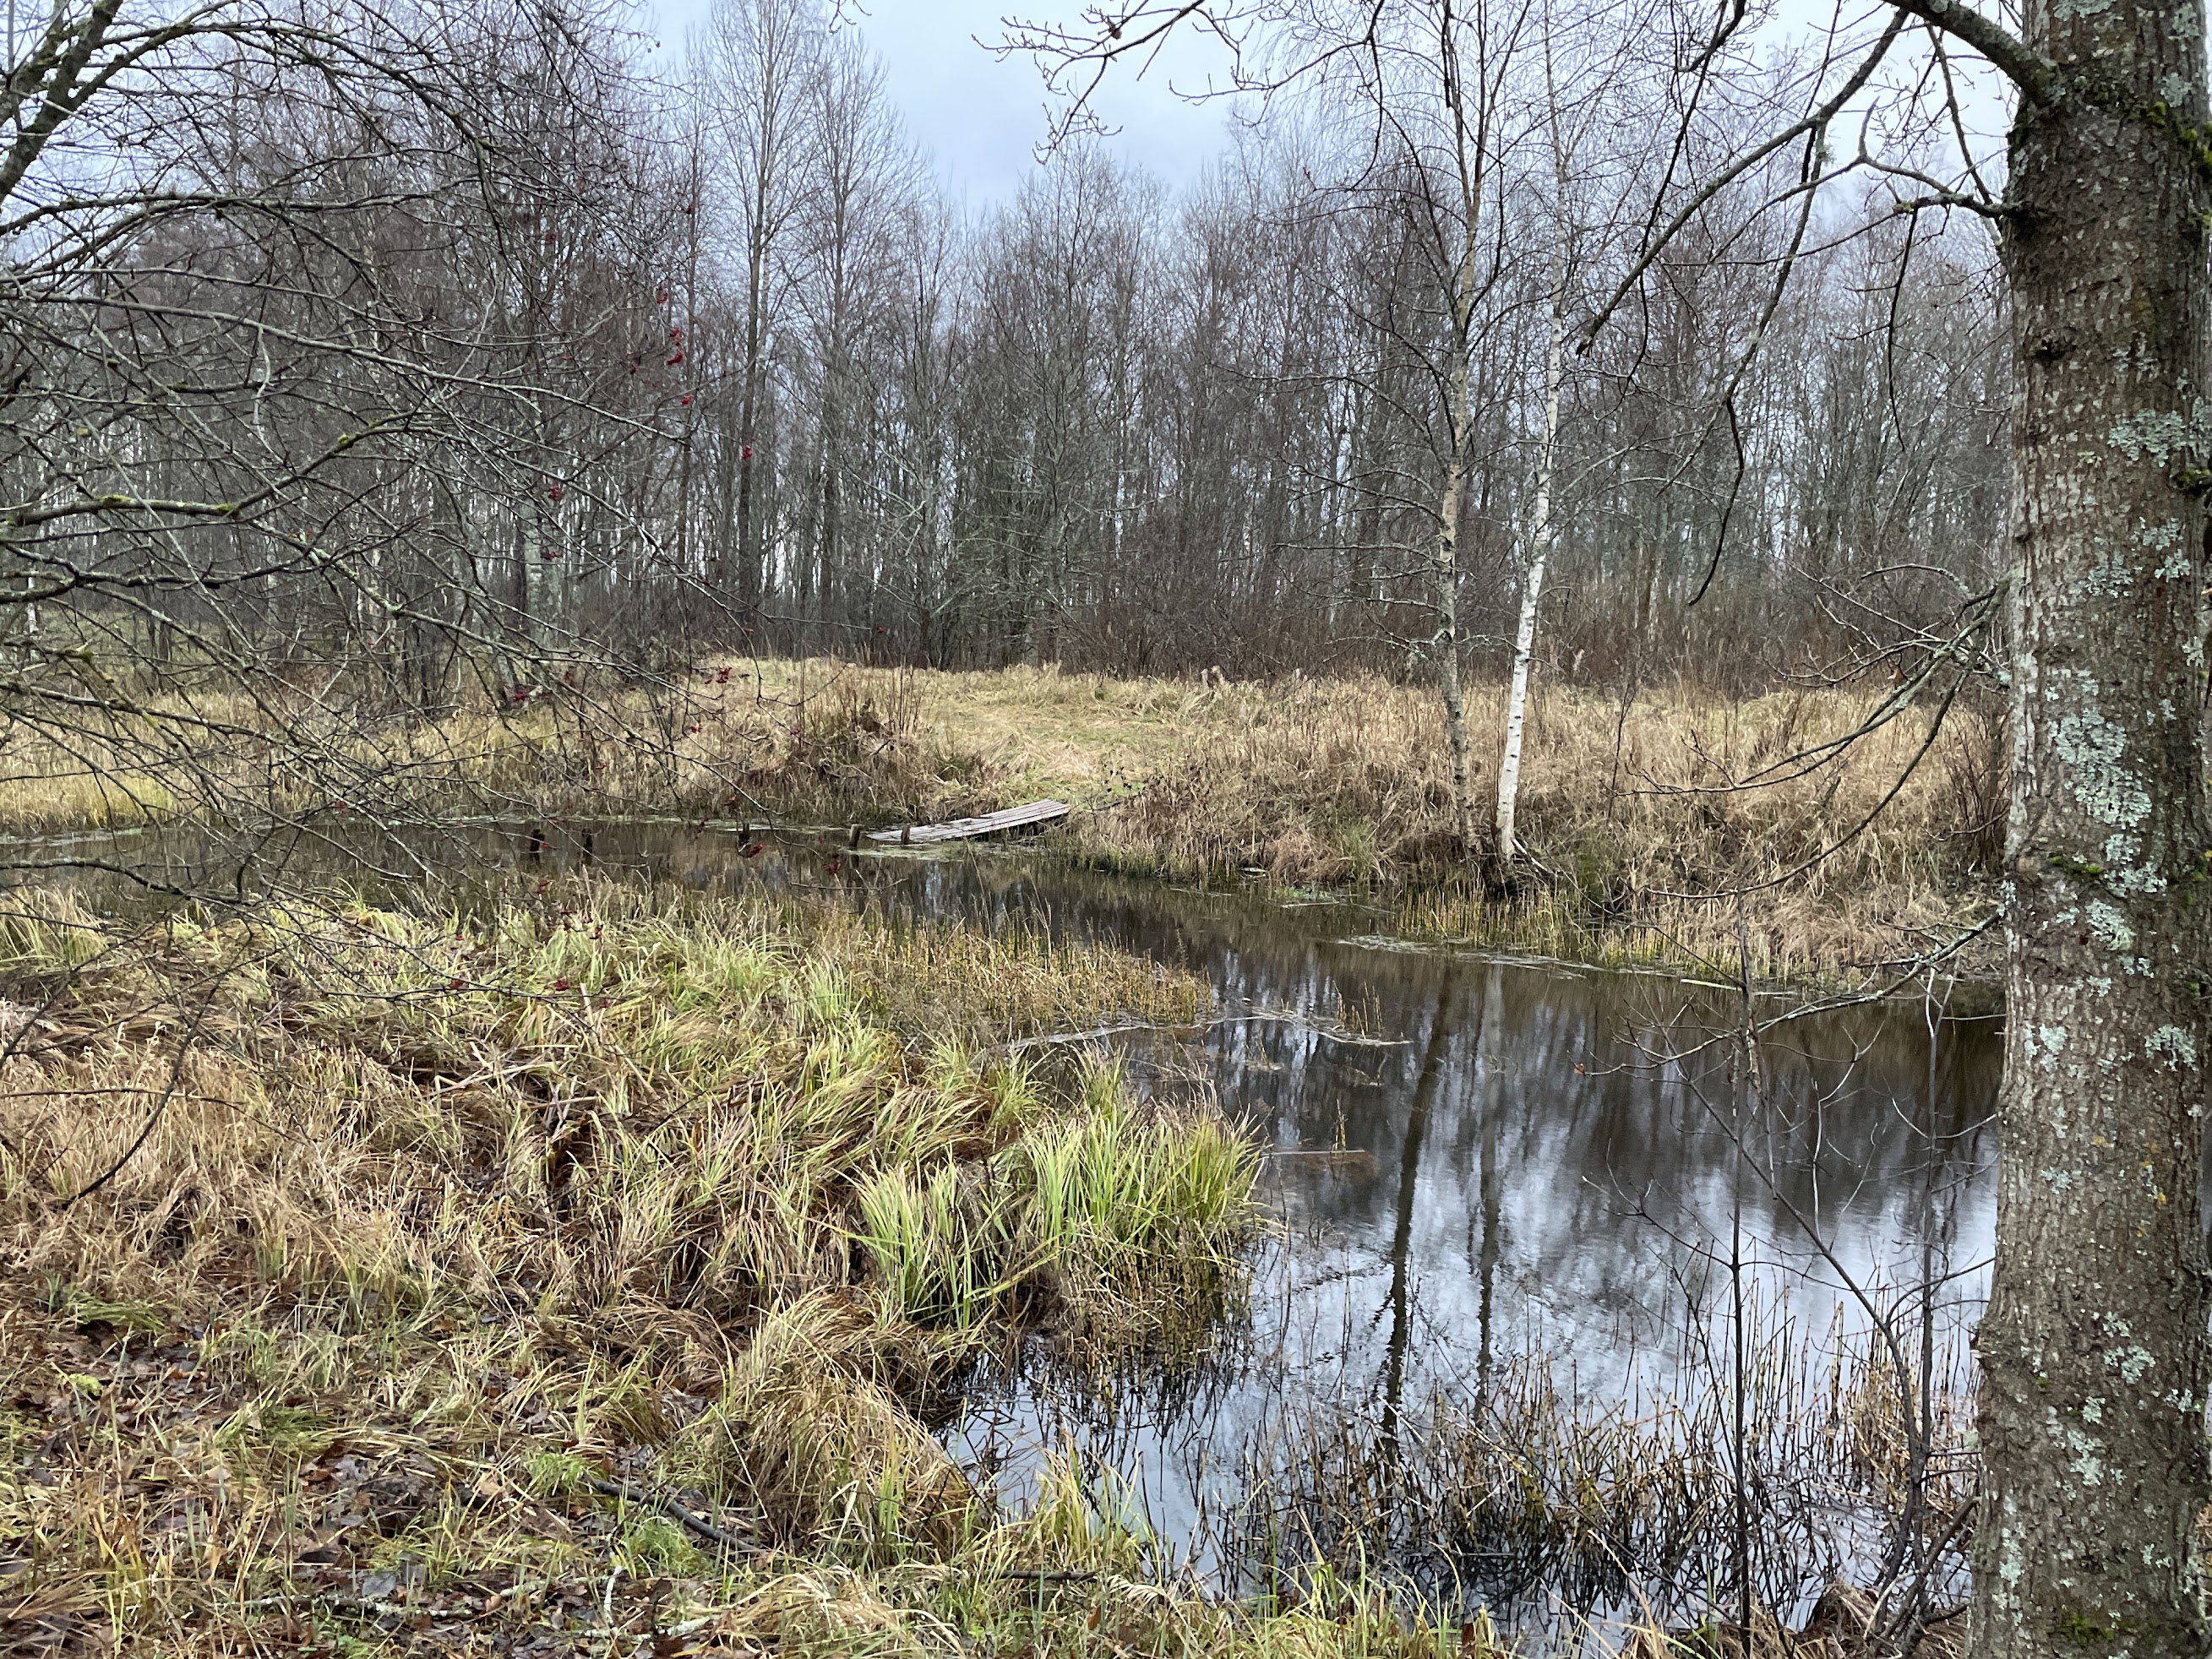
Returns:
point(1653, 826)
point(438, 1258)
point(1647, 823)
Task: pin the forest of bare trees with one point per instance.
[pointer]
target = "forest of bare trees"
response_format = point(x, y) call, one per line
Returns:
point(455, 346)
point(370, 370)
point(1099, 424)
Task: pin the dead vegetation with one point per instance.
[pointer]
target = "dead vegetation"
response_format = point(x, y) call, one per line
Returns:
point(589, 1264)
point(1648, 819)
point(1515, 1491)
point(1652, 822)
point(582, 1270)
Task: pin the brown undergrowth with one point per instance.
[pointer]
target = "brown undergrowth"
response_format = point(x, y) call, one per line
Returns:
point(1669, 827)
point(1510, 1491)
point(1656, 824)
point(580, 1273)
point(574, 1276)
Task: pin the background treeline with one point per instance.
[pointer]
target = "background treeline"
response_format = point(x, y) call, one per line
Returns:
point(1130, 430)
point(444, 345)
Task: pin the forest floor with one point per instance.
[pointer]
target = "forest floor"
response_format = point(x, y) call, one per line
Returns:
point(580, 1277)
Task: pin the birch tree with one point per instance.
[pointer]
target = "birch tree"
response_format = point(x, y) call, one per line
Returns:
point(1471, 132)
point(1437, 85)
point(1541, 529)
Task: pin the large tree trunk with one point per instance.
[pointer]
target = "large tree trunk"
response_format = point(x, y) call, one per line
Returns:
point(2093, 1352)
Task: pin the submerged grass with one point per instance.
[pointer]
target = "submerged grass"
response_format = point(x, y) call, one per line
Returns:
point(1511, 1487)
point(578, 1275)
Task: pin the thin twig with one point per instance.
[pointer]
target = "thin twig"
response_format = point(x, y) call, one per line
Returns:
point(673, 1510)
point(1296, 1022)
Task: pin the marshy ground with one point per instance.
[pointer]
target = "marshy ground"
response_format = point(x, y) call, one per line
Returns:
point(1649, 812)
point(442, 1262)
point(1668, 825)
point(569, 1265)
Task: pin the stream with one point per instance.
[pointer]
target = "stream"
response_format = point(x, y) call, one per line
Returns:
point(1520, 1208)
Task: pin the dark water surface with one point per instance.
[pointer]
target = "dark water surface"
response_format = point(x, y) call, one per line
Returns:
point(1483, 1167)
point(1480, 1167)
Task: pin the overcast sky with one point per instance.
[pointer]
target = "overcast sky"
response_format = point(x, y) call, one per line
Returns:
point(981, 118)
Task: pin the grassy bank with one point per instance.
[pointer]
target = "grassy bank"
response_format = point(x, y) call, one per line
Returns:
point(582, 1275)
point(581, 1271)
point(1668, 826)
point(578, 1277)
point(1648, 818)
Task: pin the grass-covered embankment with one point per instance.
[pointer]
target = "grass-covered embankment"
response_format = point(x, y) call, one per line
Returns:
point(1646, 818)
point(381, 1284)
point(1655, 822)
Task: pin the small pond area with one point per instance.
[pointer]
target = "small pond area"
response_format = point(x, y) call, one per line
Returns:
point(1521, 1211)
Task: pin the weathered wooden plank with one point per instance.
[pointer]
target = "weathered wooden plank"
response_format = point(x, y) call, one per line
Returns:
point(1031, 815)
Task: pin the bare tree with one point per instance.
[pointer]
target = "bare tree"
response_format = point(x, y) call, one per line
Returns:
point(1542, 527)
point(755, 61)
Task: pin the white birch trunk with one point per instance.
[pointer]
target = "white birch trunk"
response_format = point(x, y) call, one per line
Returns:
point(1458, 371)
point(1541, 535)
point(1446, 577)
point(1543, 531)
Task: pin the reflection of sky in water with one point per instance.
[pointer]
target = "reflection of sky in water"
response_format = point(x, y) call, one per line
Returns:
point(1523, 1160)
point(1517, 1162)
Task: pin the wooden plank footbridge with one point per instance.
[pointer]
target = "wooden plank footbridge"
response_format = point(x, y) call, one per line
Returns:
point(1031, 815)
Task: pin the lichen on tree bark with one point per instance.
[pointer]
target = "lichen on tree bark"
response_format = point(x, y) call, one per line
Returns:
point(2094, 1350)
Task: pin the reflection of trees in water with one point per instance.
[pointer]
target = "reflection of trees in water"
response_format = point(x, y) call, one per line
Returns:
point(1597, 1127)
point(1409, 1174)
point(1582, 1108)
point(1520, 1247)
point(1490, 1118)
point(1536, 1503)
point(1544, 1179)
